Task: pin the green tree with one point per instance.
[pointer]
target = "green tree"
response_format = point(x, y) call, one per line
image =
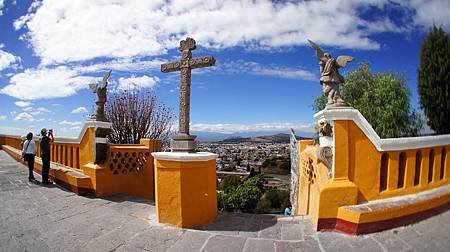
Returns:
point(434, 80)
point(383, 99)
point(230, 184)
point(272, 197)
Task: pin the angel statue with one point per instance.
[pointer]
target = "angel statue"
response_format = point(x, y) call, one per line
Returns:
point(99, 113)
point(330, 78)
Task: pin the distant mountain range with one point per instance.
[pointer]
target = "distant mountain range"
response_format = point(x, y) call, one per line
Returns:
point(261, 136)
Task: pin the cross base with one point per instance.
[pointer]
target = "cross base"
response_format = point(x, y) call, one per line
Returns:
point(183, 143)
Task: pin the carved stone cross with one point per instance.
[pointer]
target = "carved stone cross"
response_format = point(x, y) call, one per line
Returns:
point(184, 142)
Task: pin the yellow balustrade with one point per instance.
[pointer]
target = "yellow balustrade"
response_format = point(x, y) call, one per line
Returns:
point(128, 168)
point(371, 177)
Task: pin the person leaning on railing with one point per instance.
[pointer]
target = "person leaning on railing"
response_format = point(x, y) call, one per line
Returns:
point(28, 154)
point(45, 154)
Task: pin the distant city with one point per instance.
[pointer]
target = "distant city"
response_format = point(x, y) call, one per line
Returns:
point(264, 154)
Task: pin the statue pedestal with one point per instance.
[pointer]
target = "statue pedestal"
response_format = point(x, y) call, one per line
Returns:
point(183, 143)
point(185, 188)
point(99, 131)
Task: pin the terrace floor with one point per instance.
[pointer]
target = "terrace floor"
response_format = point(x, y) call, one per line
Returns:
point(34, 217)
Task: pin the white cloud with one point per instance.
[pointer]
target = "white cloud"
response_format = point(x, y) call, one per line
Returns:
point(24, 116)
point(255, 68)
point(70, 123)
point(234, 128)
point(2, 117)
point(8, 60)
point(137, 82)
point(22, 104)
point(44, 110)
point(429, 13)
point(27, 109)
point(2, 4)
point(149, 28)
point(79, 110)
point(46, 83)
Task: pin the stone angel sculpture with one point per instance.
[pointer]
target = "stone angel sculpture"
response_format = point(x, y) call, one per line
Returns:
point(330, 78)
point(100, 90)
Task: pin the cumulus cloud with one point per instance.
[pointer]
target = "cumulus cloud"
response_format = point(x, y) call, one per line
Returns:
point(70, 123)
point(137, 82)
point(79, 110)
point(8, 60)
point(46, 83)
point(2, 4)
point(22, 104)
point(234, 128)
point(255, 68)
point(149, 28)
point(24, 116)
point(2, 117)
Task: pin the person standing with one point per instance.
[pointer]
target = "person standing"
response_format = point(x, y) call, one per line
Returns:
point(29, 152)
point(45, 154)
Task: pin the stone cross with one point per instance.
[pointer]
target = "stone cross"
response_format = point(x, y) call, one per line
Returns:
point(184, 142)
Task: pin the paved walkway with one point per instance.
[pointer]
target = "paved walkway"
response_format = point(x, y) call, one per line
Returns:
point(38, 218)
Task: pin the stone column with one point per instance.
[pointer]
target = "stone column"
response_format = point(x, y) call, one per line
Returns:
point(185, 188)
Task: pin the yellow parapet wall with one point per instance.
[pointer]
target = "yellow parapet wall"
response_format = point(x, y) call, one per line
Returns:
point(128, 168)
point(366, 169)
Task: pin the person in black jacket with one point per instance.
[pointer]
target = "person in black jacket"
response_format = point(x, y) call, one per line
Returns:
point(29, 152)
point(45, 154)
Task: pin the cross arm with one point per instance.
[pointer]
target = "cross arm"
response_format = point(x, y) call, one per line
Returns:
point(205, 61)
point(170, 67)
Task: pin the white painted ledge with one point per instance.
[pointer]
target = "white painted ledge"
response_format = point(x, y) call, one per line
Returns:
point(87, 124)
point(386, 144)
point(185, 157)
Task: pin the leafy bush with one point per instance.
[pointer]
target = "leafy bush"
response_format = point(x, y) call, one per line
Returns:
point(230, 184)
point(263, 206)
point(272, 197)
point(245, 198)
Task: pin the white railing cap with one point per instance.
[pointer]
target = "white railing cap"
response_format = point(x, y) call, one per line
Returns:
point(385, 144)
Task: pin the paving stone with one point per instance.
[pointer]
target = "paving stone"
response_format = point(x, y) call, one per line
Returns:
point(224, 243)
point(306, 245)
point(155, 238)
point(331, 241)
point(364, 243)
point(259, 245)
point(291, 232)
point(391, 242)
point(190, 241)
point(271, 232)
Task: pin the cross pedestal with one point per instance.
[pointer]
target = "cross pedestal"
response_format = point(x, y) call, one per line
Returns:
point(183, 141)
point(185, 188)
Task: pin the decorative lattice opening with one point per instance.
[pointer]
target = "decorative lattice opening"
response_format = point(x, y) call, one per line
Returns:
point(384, 171)
point(308, 171)
point(443, 157)
point(430, 166)
point(127, 162)
point(417, 168)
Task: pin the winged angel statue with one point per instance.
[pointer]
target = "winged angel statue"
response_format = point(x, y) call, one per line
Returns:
point(99, 113)
point(330, 78)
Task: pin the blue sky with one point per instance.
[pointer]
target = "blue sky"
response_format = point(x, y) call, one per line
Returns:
point(265, 76)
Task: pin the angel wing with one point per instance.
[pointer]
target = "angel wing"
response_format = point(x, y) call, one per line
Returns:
point(106, 77)
point(319, 52)
point(93, 87)
point(342, 60)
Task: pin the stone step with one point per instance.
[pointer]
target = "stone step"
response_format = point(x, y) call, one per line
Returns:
point(393, 212)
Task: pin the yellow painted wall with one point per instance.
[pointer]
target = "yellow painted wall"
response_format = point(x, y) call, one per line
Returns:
point(186, 192)
point(357, 166)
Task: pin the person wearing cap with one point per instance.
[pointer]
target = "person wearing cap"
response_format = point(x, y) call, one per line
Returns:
point(29, 152)
point(47, 138)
